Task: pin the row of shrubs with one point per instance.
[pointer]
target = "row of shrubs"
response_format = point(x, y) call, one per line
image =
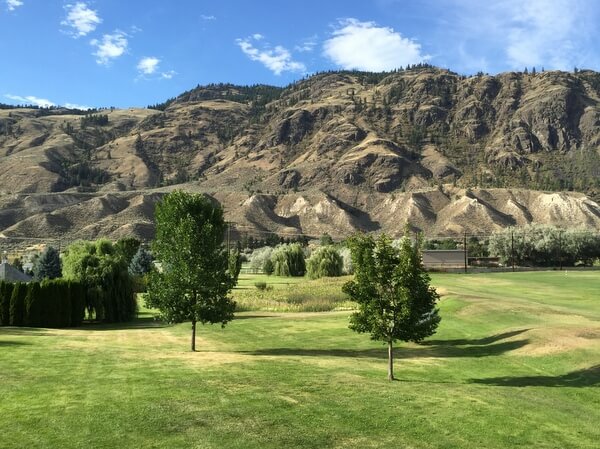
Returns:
point(294, 260)
point(62, 303)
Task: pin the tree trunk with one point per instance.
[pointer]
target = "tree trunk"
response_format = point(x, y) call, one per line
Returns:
point(194, 336)
point(390, 361)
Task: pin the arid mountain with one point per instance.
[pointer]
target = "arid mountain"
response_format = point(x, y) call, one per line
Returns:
point(336, 152)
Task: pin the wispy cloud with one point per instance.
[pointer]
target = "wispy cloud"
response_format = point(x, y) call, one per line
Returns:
point(81, 19)
point(42, 102)
point(110, 47)
point(148, 65)
point(557, 34)
point(77, 106)
point(277, 59)
point(307, 45)
point(149, 69)
point(367, 46)
point(168, 74)
point(11, 5)
point(30, 99)
point(207, 17)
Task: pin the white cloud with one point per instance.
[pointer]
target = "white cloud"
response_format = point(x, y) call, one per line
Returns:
point(30, 99)
point(13, 4)
point(557, 34)
point(148, 65)
point(110, 47)
point(168, 75)
point(77, 106)
point(277, 59)
point(367, 46)
point(81, 19)
point(207, 17)
point(42, 102)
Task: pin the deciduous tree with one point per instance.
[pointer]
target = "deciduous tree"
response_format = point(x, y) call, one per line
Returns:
point(194, 281)
point(391, 287)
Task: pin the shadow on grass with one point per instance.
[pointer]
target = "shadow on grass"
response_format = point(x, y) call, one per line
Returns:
point(25, 331)
point(475, 342)
point(400, 352)
point(13, 343)
point(588, 377)
point(139, 323)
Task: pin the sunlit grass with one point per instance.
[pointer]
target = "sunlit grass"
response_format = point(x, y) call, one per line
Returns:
point(515, 363)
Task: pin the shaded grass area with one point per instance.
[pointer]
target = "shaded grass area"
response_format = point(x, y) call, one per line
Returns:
point(514, 364)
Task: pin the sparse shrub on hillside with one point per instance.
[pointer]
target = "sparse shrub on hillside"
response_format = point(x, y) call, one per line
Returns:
point(325, 261)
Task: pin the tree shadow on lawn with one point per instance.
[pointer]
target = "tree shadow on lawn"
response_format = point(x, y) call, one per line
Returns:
point(24, 331)
point(587, 377)
point(475, 342)
point(438, 348)
point(13, 343)
point(138, 323)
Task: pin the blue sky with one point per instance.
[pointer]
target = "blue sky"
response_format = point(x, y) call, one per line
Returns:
point(134, 53)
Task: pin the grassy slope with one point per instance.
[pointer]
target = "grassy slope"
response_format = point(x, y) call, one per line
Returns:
point(515, 364)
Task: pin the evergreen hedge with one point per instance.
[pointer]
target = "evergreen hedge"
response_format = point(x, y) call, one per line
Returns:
point(62, 303)
point(17, 304)
point(5, 294)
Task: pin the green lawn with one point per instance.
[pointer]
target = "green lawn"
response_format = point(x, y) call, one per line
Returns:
point(516, 363)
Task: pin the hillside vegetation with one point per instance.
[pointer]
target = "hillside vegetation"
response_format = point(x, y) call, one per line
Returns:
point(334, 152)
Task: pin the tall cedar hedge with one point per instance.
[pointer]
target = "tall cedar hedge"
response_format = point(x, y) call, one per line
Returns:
point(62, 303)
point(5, 294)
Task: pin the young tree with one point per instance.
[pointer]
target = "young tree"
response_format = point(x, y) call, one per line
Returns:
point(141, 263)
point(48, 265)
point(393, 293)
point(235, 263)
point(194, 281)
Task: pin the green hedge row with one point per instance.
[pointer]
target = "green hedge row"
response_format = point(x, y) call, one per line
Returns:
point(62, 303)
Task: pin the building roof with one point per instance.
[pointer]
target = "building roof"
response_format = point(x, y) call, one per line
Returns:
point(11, 274)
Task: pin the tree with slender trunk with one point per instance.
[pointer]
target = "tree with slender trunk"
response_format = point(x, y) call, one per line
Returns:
point(194, 280)
point(391, 287)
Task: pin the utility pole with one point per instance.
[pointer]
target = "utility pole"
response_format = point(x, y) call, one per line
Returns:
point(512, 249)
point(465, 250)
point(228, 238)
point(560, 249)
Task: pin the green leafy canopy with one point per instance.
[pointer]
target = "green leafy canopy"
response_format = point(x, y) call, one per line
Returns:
point(392, 290)
point(194, 280)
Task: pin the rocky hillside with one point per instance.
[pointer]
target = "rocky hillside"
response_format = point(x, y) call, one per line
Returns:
point(333, 153)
